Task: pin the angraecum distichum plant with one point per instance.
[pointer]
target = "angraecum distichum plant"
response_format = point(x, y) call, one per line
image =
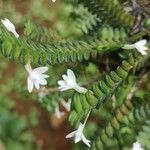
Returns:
point(87, 60)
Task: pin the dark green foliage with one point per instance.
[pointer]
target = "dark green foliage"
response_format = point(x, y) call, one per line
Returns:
point(110, 12)
point(24, 50)
point(105, 88)
point(144, 135)
point(49, 102)
point(126, 115)
point(84, 20)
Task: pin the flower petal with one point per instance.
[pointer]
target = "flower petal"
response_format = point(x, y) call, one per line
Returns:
point(143, 52)
point(45, 75)
point(8, 24)
point(142, 49)
point(37, 85)
point(66, 105)
point(77, 139)
point(86, 141)
point(65, 77)
point(41, 69)
point(71, 75)
point(70, 135)
point(141, 42)
point(30, 85)
point(42, 81)
point(58, 113)
point(61, 82)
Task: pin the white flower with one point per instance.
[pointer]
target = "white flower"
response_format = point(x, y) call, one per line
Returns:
point(58, 113)
point(10, 27)
point(66, 105)
point(36, 77)
point(137, 146)
point(69, 82)
point(140, 46)
point(78, 135)
point(53, 1)
point(41, 95)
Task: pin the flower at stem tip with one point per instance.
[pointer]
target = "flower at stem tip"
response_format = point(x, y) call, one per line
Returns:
point(140, 46)
point(58, 113)
point(69, 82)
point(10, 27)
point(67, 105)
point(78, 135)
point(137, 146)
point(36, 77)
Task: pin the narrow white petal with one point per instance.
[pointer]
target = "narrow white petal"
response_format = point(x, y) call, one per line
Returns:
point(41, 69)
point(77, 139)
point(58, 113)
point(87, 142)
point(142, 49)
point(37, 85)
point(71, 75)
point(61, 82)
point(70, 135)
point(45, 75)
point(42, 81)
point(8, 24)
point(66, 105)
point(30, 85)
point(65, 77)
point(143, 52)
point(145, 48)
point(141, 42)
